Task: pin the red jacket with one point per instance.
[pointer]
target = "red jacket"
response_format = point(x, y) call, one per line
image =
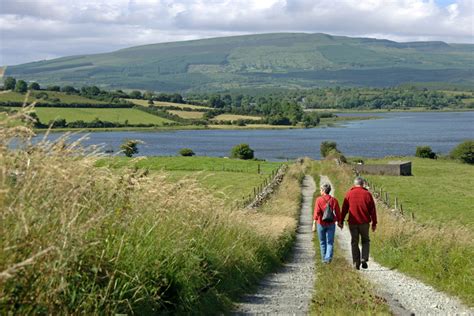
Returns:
point(320, 206)
point(360, 205)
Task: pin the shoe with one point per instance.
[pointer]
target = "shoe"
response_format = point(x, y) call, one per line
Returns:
point(364, 265)
point(356, 266)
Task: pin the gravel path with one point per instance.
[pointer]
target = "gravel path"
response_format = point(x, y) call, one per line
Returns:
point(289, 290)
point(405, 295)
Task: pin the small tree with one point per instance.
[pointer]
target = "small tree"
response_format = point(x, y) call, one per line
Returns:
point(187, 152)
point(21, 86)
point(34, 86)
point(9, 83)
point(464, 152)
point(242, 151)
point(130, 147)
point(326, 147)
point(425, 152)
point(54, 88)
point(135, 94)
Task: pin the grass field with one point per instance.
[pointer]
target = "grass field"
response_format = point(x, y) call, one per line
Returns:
point(63, 97)
point(90, 240)
point(187, 114)
point(437, 188)
point(229, 179)
point(133, 116)
point(432, 247)
point(339, 289)
point(234, 117)
point(169, 104)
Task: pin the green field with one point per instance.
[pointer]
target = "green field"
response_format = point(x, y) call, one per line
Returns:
point(63, 97)
point(229, 179)
point(437, 188)
point(133, 116)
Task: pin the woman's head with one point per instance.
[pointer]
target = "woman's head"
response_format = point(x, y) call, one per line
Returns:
point(326, 188)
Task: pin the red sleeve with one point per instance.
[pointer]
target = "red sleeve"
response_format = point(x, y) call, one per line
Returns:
point(338, 211)
point(316, 209)
point(345, 207)
point(372, 211)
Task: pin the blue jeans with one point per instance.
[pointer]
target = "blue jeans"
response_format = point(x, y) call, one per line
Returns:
point(326, 241)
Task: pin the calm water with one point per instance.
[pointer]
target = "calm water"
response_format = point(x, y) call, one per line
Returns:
point(393, 134)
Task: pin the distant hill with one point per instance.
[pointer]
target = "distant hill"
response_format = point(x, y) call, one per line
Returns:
point(283, 60)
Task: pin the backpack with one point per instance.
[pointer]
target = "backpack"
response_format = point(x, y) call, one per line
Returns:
point(328, 215)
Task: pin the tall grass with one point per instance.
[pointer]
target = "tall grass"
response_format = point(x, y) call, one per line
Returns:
point(439, 254)
point(80, 239)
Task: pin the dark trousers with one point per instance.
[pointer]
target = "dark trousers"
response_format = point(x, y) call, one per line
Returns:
point(360, 232)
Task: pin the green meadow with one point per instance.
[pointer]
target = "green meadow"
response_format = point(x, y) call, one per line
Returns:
point(439, 191)
point(231, 180)
point(133, 116)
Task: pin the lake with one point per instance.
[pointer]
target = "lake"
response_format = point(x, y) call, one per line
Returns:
point(394, 134)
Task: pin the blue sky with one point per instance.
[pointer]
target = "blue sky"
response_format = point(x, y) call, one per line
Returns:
point(33, 30)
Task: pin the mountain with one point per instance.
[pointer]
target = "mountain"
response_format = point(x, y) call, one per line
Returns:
point(282, 60)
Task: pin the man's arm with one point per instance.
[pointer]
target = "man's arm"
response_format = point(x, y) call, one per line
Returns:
point(372, 213)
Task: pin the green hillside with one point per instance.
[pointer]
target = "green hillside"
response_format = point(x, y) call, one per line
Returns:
point(283, 60)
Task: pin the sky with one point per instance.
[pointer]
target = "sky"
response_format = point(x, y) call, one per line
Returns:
point(32, 30)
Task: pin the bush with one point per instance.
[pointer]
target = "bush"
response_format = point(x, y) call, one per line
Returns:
point(425, 152)
point(464, 152)
point(21, 86)
point(130, 147)
point(187, 152)
point(242, 151)
point(326, 147)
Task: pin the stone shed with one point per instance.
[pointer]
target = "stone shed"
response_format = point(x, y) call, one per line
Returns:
point(392, 168)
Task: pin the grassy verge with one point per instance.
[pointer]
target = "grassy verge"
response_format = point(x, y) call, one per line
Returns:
point(80, 239)
point(339, 289)
point(438, 253)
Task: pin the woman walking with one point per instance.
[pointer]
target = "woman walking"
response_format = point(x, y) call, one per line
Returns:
point(326, 222)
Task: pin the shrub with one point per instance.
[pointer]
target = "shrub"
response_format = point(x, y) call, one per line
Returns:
point(464, 152)
point(34, 86)
point(130, 147)
point(242, 151)
point(326, 147)
point(187, 152)
point(9, 83)
point(425, 152)
point(21, 86)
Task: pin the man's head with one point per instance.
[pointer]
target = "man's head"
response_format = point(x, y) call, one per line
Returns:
point(359, 182)
point(326, 188)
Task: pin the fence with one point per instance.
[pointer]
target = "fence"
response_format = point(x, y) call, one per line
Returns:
point(389, 200)
point(263, 190)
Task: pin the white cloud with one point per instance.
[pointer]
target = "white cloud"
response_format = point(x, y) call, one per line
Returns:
point(37, 29)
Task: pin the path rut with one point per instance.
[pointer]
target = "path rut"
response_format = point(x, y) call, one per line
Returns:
point(289, 290)
point(405, 295)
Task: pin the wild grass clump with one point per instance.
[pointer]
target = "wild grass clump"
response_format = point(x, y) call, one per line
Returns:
point(437, 252)
point(80, 239)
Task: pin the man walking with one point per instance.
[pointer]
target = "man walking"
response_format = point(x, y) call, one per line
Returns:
point(360, 205)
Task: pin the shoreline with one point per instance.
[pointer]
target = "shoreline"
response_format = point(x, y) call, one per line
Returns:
point(330, 122)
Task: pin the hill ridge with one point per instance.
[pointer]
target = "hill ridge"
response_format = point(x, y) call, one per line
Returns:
point(260, 61)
